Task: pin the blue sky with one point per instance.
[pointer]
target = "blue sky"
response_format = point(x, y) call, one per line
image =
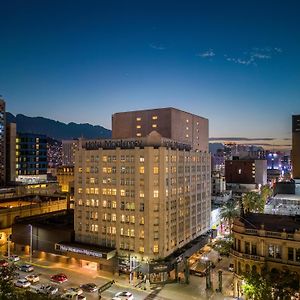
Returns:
point(234, 62)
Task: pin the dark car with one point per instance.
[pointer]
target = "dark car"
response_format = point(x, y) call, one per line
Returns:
point(89, 287)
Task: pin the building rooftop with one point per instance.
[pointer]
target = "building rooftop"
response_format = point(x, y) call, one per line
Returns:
point(270, 222)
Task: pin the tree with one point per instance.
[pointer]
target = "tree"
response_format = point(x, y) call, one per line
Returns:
point(253, 202)
point(7, 275)
point(223, 246)
point(266, 192)
point(256, 287)
point(229, 211)
point(271, 285)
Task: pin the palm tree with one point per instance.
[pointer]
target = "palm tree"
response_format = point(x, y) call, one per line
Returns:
point(253, 202)
point(229, 211)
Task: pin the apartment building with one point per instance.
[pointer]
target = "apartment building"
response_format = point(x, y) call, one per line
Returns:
point(2, 142)
point(265, 242)
point(69, 148)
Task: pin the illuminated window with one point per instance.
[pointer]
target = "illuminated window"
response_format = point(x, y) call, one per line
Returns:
point(88, 169)
point(114, 204)
point(138, 134)
point(155, 170)
point(186, 135)
point(80, 170)
point(197, 123)
point(142, 170)
point(138, 126)
point(155, 193)
point(142, 194)
point(132, 232)
point(155, 248)
point(132, 219)
point(113, 230)
point(142, 221)
point(154, 117)
point(114, 217)
point(141, 249)
point(104, 191)
point(96, 191)
point(87, 202)
point(138, 119)
point(104, 204)
point(187, 120)
point(142, 159)
point(122, 193)
point(92, 180)
point(79, 190)
point(154, 125)
point(104, 158)
point(80, 202)
point(187, 128)
point(122, 231)
point(240, 171)
point(142, 234)
point(114, 192)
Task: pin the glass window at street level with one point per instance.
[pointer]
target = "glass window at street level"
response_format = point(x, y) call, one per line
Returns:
point(298, 255)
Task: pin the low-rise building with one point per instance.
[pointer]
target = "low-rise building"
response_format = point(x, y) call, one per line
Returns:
point(265, 242)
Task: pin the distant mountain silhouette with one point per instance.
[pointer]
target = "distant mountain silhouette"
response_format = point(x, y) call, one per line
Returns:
point(55, 129)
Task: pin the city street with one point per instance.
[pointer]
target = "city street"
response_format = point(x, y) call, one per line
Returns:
point(77, 276)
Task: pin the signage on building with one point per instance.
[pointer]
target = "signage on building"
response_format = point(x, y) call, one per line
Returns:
point(73, 249)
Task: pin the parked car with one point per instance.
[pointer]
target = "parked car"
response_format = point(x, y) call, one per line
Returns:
point(89, 287)
point(73, 296)
point(75, 290)
point(14, 258)
point(231, 268)
point(26, 268)
point(3, 263)
point(48, 289)
point(59, 278)
point(123, 296)
point(33, 278)
point(22, 283)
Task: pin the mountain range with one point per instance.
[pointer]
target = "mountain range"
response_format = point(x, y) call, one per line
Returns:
point(55, 129)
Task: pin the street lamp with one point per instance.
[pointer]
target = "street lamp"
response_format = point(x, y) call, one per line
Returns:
point(207, 273)
point(30, 250)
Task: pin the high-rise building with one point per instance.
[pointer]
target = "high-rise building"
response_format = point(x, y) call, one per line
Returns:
point(11, 134)
point(31, 157)
point(145, 197)
point(2, 142)
point(296, 147)
point(69, 148)
point(169, 122)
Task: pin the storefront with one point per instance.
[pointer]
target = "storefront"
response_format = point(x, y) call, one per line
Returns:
point(88, 256)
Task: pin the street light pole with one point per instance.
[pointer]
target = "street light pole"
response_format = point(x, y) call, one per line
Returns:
point(30, 252)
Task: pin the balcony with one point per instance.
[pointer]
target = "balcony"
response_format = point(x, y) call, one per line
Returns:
point(247, 256)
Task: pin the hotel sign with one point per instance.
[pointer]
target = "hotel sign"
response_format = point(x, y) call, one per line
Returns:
point(66, 248)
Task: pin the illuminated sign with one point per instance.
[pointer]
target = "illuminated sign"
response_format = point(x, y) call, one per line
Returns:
point(65, 248)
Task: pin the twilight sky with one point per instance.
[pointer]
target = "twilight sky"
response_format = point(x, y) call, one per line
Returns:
point(235, 62)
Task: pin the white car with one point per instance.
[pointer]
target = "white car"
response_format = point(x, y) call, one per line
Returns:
point(49, 289)
point(14, 258)
point(33, 278)
point(73, 296)
point(22, 283)
point(123, 296)
point(75, 290)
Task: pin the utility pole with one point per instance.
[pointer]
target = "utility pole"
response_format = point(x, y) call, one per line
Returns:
point(30, 253)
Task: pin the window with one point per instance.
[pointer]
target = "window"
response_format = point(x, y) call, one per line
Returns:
point(298, 255)
point(141, 249)
point(142, 194)
point(253, 249)
point(154, 117)
point(155, 170)
point(155, 248)
point(122, 193)
point(154, 125)
point(275, 251)
point(138, 119)
point(142, 170)
point(155, 193)
point(247, 247)
point(240, 171)
point(290, 253)
point(142, 159)
point(138, 134)
point(138, 126)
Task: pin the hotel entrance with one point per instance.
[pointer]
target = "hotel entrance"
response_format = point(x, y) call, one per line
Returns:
point(89, 265)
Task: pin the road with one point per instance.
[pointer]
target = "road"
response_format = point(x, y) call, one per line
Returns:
point(176, 291)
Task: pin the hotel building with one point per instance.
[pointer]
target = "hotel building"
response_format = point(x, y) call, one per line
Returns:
point(2, 143)
point(143, 196)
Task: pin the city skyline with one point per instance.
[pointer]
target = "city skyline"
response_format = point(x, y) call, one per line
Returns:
point(83, 63)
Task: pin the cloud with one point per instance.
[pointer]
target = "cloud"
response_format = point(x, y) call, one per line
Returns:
point(254, 55)
point(157, 46)
point(207, 54)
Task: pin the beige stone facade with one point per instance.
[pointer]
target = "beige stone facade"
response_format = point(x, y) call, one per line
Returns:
point(266, 242)
point(143, 200)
